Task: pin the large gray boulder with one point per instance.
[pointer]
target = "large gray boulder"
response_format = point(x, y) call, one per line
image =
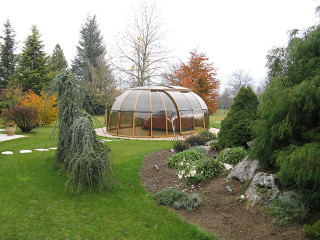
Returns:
point(263, 189)
point(244, 170)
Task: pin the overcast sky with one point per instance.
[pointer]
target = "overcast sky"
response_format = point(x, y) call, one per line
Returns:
point(233, 34)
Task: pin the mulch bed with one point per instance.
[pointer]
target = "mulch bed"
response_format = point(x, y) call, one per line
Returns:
point(219, 212)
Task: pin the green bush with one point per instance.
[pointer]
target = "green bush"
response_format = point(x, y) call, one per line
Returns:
point(214, 144)
point(196, 140)
point(232, 155)
point(207, 135)
point(191, 155)
point(313, 231)
point(177, 199)
point(236, 128)
point(194, 166)
point(287, 209)
point(299, 167)
point(179, 145)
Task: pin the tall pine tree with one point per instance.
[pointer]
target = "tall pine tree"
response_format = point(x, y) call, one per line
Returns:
point(33, 71)
point(7, 55)
point(57, 61)
point(90, 53)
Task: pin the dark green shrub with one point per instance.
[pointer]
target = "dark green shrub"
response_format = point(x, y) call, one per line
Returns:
point(177, 199)
point(232, 155)
point(25, 117)
point(313, 231)
point(207, 135)
point(299, 167)
point(211, 168)
point(287, 209)
point(236, 128)
point(196, 140)
point(179, 145)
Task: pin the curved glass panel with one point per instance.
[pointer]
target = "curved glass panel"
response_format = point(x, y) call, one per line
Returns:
point(202, 103)
point(159, 125)
point(118, 102)
point(181, 101)
point(195, 104)
point(157, 104)
point(187, 123)
point(143, 103)
point(130, 101)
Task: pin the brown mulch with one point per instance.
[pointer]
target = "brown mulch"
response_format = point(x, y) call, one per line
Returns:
point(219, 212)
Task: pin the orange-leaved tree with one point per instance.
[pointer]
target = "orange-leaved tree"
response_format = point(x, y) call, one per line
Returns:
point(200, 76)
point(47, 106)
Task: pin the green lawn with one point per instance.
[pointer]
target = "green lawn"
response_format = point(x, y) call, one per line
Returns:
point(216, 118)
point(35, 205)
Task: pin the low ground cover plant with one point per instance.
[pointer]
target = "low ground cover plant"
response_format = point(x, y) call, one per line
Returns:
point(232, 155)
point(286, 209)
point(207, 135)
point(196, 140)
point(313, 230)
point(177, 199)
point(193, 166)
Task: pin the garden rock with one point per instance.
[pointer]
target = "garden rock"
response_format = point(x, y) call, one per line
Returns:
point(263, 189)
point(244, 170)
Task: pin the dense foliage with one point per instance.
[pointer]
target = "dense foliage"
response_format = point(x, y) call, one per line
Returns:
point(179, 145)
point(7, 54)
point(32, 71)
point(236, 128)
point(79, 150)
point(287, 135)
point(194, 166)
point(232, 155)
point(199, 76)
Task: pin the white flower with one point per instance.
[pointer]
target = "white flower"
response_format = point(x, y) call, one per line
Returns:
point(181, 164)
point(179, 176)
point(183, 172)
point(193, 173)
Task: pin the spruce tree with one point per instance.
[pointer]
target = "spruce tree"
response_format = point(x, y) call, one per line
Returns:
point(236, 128)
point(57, 61)
point(90, 53)
point(7, 55)
point(33, 71)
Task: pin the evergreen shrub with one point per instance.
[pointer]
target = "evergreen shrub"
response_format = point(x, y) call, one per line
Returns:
point(236, 128)
point(232, 155)
point(196, 140)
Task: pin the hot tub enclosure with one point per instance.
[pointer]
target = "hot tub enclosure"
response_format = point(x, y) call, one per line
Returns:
point(157, 111)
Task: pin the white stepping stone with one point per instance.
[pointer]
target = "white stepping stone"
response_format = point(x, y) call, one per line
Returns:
point(42, 150)
point(54, 148)
point(25, 151)
point(7, 152)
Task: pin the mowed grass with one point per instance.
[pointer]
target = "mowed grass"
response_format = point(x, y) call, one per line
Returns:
point(35, 204)
point(216, 118)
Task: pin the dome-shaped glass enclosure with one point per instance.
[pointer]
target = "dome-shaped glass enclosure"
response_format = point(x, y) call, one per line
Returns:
point(158, 111)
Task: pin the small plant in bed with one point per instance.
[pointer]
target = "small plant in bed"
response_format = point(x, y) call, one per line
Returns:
point(232, 155)
point(193, 166)
point(177, 199)
point(179, 145)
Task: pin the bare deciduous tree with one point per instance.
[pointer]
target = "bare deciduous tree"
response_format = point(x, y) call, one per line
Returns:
point(141, 55)
point(238, 79)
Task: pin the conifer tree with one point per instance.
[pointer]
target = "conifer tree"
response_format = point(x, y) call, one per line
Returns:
point(57, 61)
point(236, 128)
point(32, 71)
point(90, 54)
point(7, 55)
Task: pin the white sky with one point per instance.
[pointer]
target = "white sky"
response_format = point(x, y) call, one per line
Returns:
point(234, 34)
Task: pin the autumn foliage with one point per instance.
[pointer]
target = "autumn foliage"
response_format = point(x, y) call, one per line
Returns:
point(199, 76)
point(44, 103)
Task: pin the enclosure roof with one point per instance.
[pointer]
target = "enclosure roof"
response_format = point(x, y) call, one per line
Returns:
point(163, 88)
